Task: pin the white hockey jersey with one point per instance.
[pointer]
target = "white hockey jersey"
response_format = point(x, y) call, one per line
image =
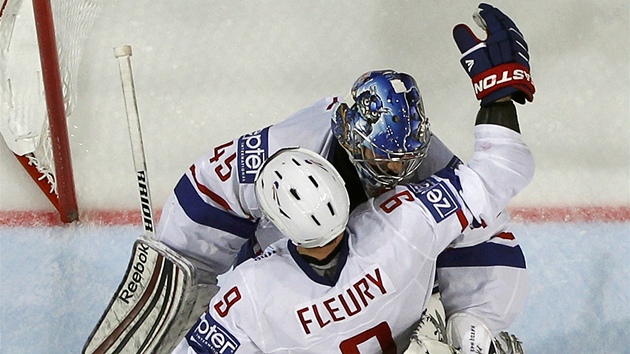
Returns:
point(213, 212)
point(277, 303)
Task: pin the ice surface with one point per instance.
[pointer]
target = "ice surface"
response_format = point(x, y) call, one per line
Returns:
point(56, 282)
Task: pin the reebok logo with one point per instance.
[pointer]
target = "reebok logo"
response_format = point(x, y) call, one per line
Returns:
point(135, 278)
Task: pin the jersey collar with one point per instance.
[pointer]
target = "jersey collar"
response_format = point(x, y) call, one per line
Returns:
point(308, 270)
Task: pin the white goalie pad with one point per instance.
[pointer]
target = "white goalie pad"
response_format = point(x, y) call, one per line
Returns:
point(468, 333)
point(158, 300)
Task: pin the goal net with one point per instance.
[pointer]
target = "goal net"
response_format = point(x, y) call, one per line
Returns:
point(41, 45)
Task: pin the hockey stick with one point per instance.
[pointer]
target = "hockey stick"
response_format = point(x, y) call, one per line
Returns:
point(123, 54)
point(162, 293)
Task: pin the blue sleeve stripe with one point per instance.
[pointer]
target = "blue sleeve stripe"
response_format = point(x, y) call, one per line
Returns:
point(448, 172)
point(487, 254)
point(205, 214)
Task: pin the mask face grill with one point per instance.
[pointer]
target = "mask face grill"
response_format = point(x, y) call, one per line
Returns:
point(383, 121)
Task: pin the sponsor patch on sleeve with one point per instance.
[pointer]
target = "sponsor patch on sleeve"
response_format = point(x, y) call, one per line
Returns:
point(437, 197)
point(253, 150)
point(210, 337)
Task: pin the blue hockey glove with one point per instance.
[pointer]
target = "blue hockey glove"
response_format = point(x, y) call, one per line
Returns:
point(498, 65)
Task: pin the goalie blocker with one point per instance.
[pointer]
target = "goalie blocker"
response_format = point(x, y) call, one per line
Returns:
point(161, 296)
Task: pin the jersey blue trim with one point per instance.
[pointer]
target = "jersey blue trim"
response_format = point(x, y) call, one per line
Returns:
point(487, 254)
point(448, 172)
point(247, 251)
point(205, 214)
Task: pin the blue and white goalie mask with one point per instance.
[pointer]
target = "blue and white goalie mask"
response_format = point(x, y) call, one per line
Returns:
point(383, 127)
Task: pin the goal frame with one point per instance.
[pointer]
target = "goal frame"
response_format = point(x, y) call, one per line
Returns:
point(64, 198)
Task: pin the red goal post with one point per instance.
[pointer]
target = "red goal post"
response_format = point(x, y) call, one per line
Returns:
point(41, 44)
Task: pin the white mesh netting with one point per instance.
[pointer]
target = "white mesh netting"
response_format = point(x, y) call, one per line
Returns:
point(23, 112)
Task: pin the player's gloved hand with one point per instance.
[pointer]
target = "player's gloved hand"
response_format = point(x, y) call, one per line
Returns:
point(498, 65)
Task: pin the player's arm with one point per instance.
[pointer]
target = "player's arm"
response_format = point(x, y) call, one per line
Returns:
point(460, 197)
point(502, 164)
point(209, 216)
point(212, 210)
point(500, 72)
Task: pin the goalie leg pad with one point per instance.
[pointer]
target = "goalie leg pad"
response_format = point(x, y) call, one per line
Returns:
point(158, 300)
point(468, 334)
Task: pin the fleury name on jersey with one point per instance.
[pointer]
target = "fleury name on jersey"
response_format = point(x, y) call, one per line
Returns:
point(351, 300)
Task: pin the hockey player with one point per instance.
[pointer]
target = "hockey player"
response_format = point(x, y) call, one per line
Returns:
point(355, 284)
point(213, 213)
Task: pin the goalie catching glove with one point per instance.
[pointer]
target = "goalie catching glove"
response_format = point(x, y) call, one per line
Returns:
point(498, 65)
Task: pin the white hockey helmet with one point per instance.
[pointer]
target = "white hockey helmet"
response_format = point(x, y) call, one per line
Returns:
point(304, 196)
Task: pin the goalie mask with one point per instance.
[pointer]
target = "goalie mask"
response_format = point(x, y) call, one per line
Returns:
point(382, 124)
point(304, 196)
